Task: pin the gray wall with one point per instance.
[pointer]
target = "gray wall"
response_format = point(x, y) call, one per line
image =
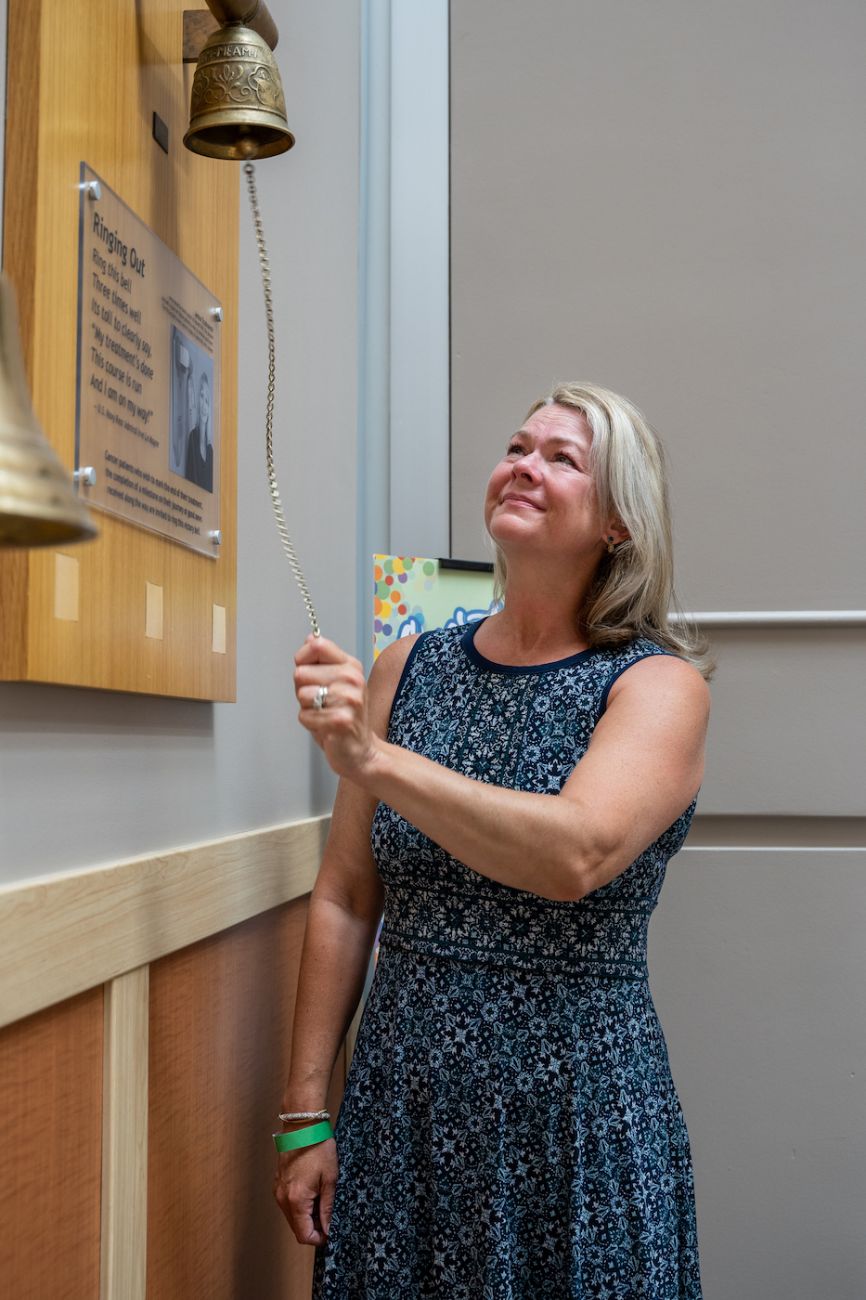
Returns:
point(90, 777)
point(757, 972)
point(668, 199)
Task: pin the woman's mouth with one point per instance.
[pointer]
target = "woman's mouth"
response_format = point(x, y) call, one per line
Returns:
point(515, 499)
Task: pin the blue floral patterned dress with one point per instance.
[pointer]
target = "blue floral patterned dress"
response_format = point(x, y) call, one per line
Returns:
point(510, 1129)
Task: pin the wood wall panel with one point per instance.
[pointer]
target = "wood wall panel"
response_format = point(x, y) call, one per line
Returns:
point(102, 69)
point(220, 1026)
point(50, 1138)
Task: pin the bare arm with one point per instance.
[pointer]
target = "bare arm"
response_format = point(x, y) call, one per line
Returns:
point(344, 910)
point(341, 924)
point(642, 769)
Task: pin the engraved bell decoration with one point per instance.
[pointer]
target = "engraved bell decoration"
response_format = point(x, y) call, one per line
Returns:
point(38, 503)
point(237, 108)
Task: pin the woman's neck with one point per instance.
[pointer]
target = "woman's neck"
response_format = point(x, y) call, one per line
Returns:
point(541, 616)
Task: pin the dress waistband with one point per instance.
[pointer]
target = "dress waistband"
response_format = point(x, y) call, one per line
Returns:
point(529, 963)
point(515, 930)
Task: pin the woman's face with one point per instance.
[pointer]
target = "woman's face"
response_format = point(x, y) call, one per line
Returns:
point(203, 404)
point(541, 496)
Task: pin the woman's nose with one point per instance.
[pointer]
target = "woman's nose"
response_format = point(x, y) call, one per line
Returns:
point(526, 467)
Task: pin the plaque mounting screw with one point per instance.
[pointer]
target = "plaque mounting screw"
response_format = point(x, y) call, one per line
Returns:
point(215, 534)
point(216, 313)
point(86, 476)
point(93, 189)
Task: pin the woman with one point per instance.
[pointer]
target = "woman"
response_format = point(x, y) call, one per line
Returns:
point(510, 1127)
point(199, 448)
point(179, 403)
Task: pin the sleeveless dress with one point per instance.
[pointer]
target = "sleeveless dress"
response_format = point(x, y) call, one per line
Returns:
point(510, 1129)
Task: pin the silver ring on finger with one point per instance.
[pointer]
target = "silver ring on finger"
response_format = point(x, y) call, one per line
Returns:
point(320, 697)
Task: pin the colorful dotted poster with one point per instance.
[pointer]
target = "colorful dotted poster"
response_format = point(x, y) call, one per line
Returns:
point(413, 594)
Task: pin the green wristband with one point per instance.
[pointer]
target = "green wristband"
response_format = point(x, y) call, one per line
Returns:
point(303, 1137)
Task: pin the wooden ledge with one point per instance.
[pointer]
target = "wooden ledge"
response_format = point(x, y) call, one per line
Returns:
point(63, 934)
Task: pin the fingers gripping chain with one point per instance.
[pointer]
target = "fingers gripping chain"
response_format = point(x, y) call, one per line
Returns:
point(282, 529)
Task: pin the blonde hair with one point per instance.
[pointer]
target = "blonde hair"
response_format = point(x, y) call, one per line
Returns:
point(632, 592)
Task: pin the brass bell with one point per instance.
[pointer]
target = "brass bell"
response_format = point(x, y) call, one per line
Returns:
point(38, 503)
point(237, 108)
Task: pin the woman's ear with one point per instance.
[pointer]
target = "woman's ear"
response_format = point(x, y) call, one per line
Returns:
point(616, 532)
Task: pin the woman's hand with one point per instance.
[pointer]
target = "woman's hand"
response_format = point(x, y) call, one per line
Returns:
point(304, 1187)
point(341, 725)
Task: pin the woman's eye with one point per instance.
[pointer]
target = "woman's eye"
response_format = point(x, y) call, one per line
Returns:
point(515, 449)
point(563, 455)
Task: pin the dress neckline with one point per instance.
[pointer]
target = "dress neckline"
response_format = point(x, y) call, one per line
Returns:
point(467, 641)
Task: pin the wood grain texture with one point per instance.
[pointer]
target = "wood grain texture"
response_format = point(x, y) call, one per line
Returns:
point(62, 935)
point(13, 614)
point(20, 196)
point(124, 1137)
point(101, 70)
point(50, 1119)
point(221, 1017)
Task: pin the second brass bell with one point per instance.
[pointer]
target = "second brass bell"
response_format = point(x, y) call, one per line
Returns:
point(237, 109)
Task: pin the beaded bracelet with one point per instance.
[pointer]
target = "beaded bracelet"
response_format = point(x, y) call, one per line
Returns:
point(304, 1114)
point(303, 1137)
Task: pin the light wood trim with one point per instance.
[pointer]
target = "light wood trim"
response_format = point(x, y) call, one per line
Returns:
point(61, 935)
point(124, 1137)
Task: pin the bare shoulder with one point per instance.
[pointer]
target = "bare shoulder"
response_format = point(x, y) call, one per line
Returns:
point(663, 679)
point(387, 669)
point(385, 678)
point(656, 722)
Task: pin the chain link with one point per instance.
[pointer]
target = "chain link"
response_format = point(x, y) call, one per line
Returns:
point(250, 173)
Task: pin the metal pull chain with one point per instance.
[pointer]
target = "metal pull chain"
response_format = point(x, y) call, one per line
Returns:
point(250, 173)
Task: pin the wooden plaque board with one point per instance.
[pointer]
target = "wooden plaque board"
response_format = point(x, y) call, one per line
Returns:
point(132, 611)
